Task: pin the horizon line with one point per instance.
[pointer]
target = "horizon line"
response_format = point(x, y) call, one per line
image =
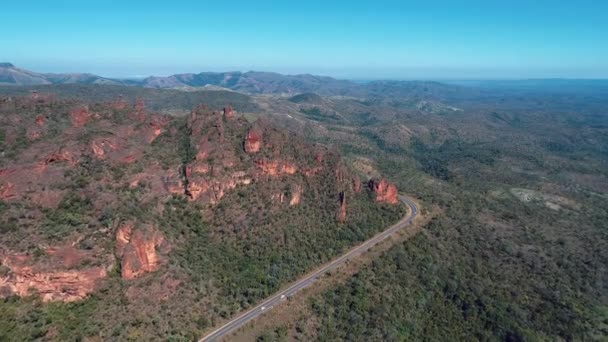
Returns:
point(340, 78)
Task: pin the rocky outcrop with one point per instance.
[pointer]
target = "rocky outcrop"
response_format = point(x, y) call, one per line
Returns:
point(383, 190)
point(59, 280)
point(136, 248)
point(228, 112)
point(128, 159)
point(153, 130)
point(341, 213)
point(277, 197)
point(201, 159)
point(276, 167)
point(310, 171)
point(65, 286)
point(296, 195)
point(102, 146)
point(253, 140)
point(7, 191)
point(40, 120)
point(63, 155)
point(7, 172)
point(172, 182)
point(79, 116)
point(211, 190)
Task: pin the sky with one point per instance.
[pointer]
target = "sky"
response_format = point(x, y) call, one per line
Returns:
point(431, 39)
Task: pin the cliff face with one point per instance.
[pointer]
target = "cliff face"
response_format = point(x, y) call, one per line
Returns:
point(137, 249)
point(253, 140)
point(67, 286)
point(229, 112)
point(296, 195)
point(276, 167)
point(383, 191)
point(60, 275)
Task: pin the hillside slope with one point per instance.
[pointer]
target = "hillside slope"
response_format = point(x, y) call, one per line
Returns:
point(110, 211)
point(519, 182)
point(11, 75)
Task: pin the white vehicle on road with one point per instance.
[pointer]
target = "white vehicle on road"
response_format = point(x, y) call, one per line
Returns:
point(263, 308)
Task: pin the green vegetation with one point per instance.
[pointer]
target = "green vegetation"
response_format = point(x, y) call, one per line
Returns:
point(435, 161)
point(497, 262)
point(314, 113)
point(73, 213)
point(464, 279)
point(155, 99)
point(29, 319)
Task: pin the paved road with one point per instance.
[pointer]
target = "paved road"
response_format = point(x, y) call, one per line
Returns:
point(310, 278)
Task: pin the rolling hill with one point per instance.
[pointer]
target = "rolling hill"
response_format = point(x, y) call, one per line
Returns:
point(11, 75)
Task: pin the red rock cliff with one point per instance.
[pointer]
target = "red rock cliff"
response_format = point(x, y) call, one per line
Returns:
point(59, 280)
point(253, 140)
point(228, 112)
point(276, 167)
point(384, 191)
point(136, 248)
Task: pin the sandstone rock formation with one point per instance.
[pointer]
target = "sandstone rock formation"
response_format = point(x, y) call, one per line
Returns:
point(383, 190)
point(228, 112)
point(276, 167)
point(7, 191)
point(253, 140)
point(60, 279)
point(80, 116)
point(153, 130)
point(136, 248)
point(204, 159)
point(296, 195)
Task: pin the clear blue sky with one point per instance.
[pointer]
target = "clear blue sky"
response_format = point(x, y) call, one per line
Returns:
point(348, 39)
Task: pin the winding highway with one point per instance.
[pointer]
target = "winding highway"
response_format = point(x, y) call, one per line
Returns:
point(310, 278)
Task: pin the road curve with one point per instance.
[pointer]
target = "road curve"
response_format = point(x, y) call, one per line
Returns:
point(310, 278)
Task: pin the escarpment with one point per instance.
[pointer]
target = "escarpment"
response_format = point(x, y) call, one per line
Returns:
point(100, 180)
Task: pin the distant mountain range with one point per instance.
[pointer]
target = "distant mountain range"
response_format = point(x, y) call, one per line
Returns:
point(247, 82)
point(10, 74)
point(252, 82)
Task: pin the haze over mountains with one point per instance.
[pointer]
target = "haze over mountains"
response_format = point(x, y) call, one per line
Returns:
point(251, 82)
point(255, 82)
point(10, 74)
